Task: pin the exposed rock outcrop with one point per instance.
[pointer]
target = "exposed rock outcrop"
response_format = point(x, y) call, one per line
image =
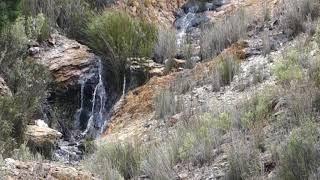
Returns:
point(141, 69)
point(156, 11)
point(40, 134)
point(38, 170)
point(66, 59)
point(4, 89)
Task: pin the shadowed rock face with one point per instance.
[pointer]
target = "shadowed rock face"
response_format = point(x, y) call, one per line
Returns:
point(4, 89)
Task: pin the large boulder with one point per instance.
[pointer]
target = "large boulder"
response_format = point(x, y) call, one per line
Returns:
point(40, 134)
point(4, 89)
point(40, 138)
point(14, 169)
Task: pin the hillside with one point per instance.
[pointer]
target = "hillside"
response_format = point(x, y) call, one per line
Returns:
point(159, 90)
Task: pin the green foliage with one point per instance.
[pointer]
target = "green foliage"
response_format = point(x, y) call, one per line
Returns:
point(70, 15)
point(8, 12)
point(257, 110)
point(314, 72)
point(196, 141)
point(244, 161)
point(222, 122)
point(299, 158)
point(27, 81)
point(115, 161)
point(23, 153)
point(116, 36)
point(157, 164)
point(289, 68)
point(227, 68)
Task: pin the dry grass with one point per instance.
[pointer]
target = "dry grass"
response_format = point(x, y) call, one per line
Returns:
point(215, 38)
point(295, 15)
point(165, 47)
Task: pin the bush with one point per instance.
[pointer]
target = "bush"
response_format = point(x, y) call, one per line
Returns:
point(183, 83)
point(295, 14)
point(215, 38)
point(165, 47)
point(27, 81)
point(196, 142)
point(243, 160)
point(299, 158)
point(115, 43)
point(8, 12)
point(157, 164)
point(289, 68)
point(70, 15)
point(227, 68)
point(113, 161)
point(257, 110)
point(165, 104)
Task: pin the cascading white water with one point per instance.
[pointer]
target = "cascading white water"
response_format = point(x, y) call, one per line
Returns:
point(69, 152)
point(79, 111)
point(104, 127)
point(185, 24)
point(96, 119)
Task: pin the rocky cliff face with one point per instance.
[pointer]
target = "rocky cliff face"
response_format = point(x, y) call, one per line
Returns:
point(66, 59)
point(157, 11)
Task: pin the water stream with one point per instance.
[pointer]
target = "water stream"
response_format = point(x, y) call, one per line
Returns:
point(98, 110)
point(89, 119)
point(188, 22)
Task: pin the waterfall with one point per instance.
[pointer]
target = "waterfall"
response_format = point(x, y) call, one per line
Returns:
point(99, 98)
point(80, 110)
point(117, 105)
point(185, 23)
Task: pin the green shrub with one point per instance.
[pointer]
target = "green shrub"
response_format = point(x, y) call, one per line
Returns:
point(222, 122)
point(289, 68)
point(8, 12)
point(115, 43)
point(115, 161)
point(257, 110)
point(23, 153)
point(299, 158)
point(243, 160)
point(157, 164)
point(70, 15)
point(314, 72)
point(196, 141)
point(227, 69)
point(27, 81)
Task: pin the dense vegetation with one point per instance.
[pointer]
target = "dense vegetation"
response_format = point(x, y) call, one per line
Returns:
point(29, 21)
point(289, 109)
point(8, 11)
